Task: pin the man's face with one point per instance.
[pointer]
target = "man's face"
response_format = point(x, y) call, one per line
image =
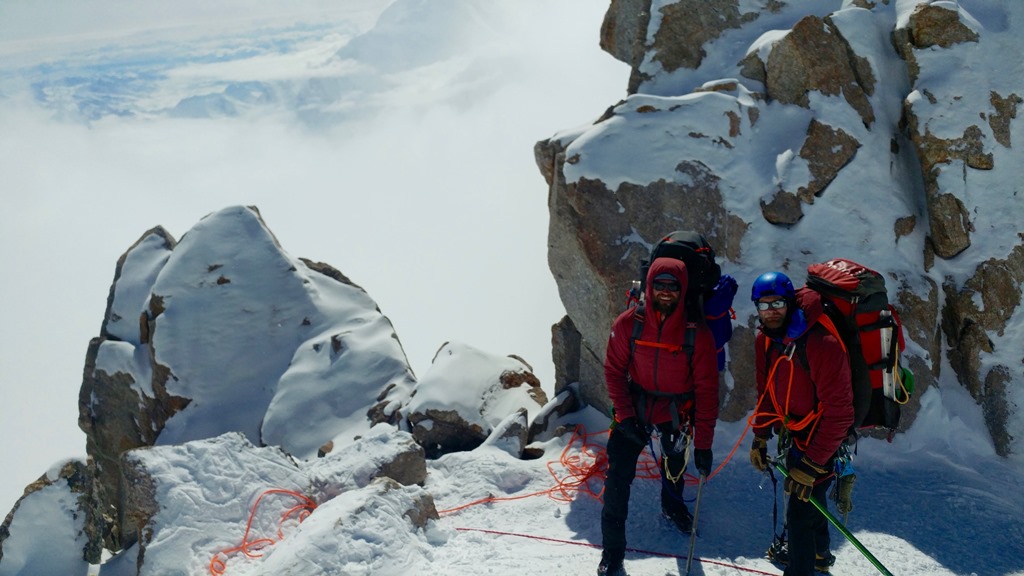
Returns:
point(666, 296)
point(774, 311)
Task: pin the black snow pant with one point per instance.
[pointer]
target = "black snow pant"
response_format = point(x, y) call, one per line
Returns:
point(808, 530)
point(622, 457)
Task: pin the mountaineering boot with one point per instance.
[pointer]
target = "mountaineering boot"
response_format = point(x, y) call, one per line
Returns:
point(611, 564)
point(778, 552)
point(681, 518)
point(822, 562)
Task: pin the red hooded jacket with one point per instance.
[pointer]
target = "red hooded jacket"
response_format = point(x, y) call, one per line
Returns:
point(825, 386)
point(664, 367)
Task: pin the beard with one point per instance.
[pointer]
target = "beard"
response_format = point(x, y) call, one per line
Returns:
point(665, 308)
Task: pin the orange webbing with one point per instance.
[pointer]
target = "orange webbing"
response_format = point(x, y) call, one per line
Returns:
point(304, 508)
point(665, 346)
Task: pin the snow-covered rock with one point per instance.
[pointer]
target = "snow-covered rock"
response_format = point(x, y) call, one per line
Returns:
point(51, 528)
point(205, 503)
point(225, 331)
point(466, 394)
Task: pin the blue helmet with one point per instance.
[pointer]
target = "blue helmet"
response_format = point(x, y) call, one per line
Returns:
point(772, 284)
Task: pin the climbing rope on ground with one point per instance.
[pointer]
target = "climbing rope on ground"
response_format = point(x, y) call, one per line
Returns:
point(582, 462)
point(249, 547)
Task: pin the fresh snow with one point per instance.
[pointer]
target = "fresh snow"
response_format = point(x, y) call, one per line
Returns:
point(935, 501)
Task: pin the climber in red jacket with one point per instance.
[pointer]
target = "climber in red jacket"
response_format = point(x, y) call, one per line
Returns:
point(662, 373)
point(805, 396)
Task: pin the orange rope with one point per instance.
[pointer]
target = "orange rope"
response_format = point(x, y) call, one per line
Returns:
point(583, 466)
point(303, 509)
point(781, 414)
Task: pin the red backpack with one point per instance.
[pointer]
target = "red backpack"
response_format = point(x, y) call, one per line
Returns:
point(855, 299)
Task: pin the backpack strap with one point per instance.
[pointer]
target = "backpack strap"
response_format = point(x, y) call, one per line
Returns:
point(689, 339)
point(638, 329)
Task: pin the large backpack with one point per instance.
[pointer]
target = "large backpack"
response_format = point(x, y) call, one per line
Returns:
point(696, 253)
point(855, 300)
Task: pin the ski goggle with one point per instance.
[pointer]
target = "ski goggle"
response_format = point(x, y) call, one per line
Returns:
point(665, 287)
point(774, 305)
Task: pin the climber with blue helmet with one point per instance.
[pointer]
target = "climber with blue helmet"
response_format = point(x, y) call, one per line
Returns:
point(806, 398)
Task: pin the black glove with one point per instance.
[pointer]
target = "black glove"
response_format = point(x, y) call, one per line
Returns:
point(702, 460)
point(631, 429)
point(759, 454)
point(801, 478)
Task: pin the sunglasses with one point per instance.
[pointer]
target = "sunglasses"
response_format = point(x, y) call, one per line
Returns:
point(774, 305)
point(665, 287)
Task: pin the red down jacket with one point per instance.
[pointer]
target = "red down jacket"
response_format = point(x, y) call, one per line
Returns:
point(799, 391)
point(661, 368)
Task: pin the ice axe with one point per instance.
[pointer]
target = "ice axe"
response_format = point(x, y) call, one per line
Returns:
point(696, 515)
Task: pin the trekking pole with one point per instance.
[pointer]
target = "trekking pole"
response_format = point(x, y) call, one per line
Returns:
point(696, 514)
point(835, 522)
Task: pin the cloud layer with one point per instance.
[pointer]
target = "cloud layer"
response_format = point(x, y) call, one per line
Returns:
point(418, 184)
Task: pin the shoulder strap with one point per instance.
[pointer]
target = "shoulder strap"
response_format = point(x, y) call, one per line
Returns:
point(825, 321)
point(638, 329)
point(801, 342)
point(694, 311)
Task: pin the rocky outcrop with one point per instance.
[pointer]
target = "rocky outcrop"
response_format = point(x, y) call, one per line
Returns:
point(974, 314)
point(511, 434)
point(78, 543)
point(814, 57)
point(121, 405)
point(898, 145)
point(827, 150)
point(227, 318)
point(962, 143)
point(442, 424)
point(624, 30)
point(565, 402)
point(933, 27)
point(685, 28)
point(688, 25)
point(222, 342)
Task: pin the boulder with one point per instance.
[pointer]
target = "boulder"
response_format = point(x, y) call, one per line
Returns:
point(224, 331)
point(53, 528)
point(494, 387)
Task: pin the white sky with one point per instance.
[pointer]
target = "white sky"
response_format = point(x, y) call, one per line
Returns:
point(427, 196)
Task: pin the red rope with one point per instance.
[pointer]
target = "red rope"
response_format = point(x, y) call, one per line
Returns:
point(248, 547)
point(638, 550)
